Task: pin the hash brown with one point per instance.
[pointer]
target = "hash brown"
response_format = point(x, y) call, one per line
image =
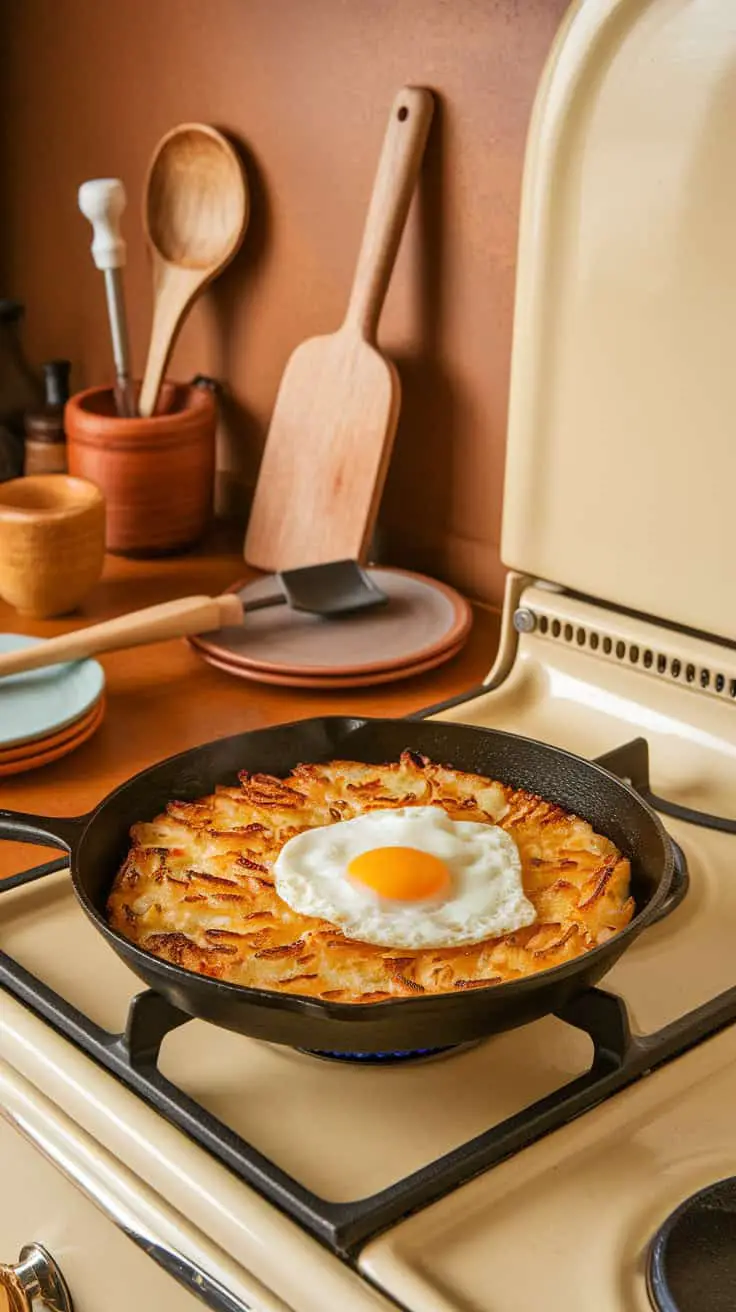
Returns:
point(196, 887)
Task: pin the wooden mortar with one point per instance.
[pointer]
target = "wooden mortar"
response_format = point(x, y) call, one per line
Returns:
point(52, 542)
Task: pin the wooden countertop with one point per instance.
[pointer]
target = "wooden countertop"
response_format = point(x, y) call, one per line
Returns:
point(163, 699)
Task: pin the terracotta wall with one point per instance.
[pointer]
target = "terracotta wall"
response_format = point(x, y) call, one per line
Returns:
point(87, 88)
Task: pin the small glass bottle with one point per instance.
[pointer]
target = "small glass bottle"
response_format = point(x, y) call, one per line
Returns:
point(20, 390)
point(45, 437)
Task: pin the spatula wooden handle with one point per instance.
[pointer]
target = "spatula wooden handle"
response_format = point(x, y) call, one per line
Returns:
point(403, 146)
point(172, 619)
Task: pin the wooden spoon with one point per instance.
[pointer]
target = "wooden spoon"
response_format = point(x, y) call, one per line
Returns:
point(195, 214)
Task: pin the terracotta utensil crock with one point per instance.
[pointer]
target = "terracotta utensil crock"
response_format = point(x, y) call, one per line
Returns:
point(156, 474)
point(52, 542)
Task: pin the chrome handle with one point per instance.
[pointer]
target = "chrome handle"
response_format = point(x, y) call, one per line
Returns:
point(34, 1284)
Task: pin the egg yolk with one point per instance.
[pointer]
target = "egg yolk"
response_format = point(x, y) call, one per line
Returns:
point(402, 873)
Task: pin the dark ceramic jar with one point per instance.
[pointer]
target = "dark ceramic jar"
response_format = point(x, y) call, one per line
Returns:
point(20, 390)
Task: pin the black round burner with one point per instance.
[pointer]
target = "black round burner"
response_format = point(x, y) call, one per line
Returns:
point(692, 1259)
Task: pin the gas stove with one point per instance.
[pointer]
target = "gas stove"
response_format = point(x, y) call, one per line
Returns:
point(371, 1163)
point(136, 1057)
point(585, 1161)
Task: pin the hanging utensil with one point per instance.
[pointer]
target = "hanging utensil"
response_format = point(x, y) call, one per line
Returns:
point(102, 201)
point(195, 214)
point(340, 587)
point(330, 437)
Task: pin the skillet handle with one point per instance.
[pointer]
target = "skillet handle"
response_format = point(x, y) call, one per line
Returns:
point(44, 830)
point(678, 887)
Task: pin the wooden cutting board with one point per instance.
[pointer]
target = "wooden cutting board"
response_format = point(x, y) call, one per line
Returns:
point(337, 407)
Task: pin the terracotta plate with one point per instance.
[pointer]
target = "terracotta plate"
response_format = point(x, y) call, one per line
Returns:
point(423, 619)
point(46, 755)
point(328, 682)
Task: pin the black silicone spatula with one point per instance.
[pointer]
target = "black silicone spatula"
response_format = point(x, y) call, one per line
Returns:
point(338, 587)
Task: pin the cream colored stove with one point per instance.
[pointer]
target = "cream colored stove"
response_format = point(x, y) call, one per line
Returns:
point(539, 1166)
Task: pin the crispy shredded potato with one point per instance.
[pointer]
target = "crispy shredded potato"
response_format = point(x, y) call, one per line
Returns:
point(196, 887)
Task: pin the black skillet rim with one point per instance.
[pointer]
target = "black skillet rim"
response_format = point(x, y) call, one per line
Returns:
point(299, 1003)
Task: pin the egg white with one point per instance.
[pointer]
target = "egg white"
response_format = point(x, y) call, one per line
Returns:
point(486, 898)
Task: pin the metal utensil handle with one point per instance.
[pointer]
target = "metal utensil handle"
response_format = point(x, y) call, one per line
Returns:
point(34, 1282)
point(103, 201)
point(119, 335)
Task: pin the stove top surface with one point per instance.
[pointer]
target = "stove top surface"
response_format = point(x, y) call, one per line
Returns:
point(568, 1224)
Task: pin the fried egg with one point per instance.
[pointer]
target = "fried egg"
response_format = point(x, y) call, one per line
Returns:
point(407, 877)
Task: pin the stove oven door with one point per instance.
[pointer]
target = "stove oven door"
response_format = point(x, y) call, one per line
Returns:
point(79, 1259)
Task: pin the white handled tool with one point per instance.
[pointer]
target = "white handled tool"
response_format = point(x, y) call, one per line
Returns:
point(102, 201)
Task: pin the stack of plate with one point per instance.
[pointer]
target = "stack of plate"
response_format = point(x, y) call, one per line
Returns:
point(423, 624)
point(45, 714)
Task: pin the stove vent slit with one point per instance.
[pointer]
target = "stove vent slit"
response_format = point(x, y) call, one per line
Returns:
point(657, 664)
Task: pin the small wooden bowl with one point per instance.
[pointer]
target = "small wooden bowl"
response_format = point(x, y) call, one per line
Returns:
point(157, 474)
point(52, 542)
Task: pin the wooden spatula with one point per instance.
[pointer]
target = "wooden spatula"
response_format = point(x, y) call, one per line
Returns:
point(336, 411)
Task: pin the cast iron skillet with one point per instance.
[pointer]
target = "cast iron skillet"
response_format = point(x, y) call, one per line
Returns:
point(99, 841)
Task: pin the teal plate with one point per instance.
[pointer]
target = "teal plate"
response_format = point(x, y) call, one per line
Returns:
point(40, 702)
